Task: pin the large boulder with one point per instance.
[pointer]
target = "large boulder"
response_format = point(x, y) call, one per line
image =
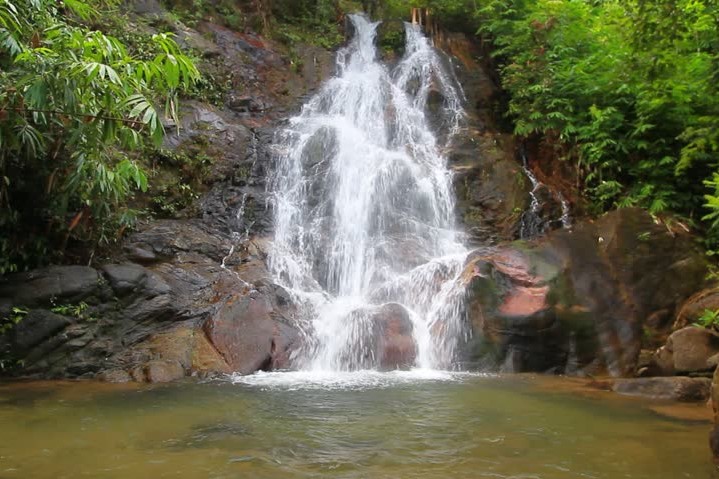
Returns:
point(580, 301)
point(687, 350)
point(695, 306)
point(369, 337)
point(250, 334)
point(396, 348)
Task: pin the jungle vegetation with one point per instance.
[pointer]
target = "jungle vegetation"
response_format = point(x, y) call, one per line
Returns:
point(623, 91)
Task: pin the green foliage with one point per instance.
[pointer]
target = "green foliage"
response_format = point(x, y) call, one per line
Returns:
point(16, 315)
point(225, 12)
point(73, 102)
point(79, 311)
point(392, 41)
point(180, 174)
point(625, 90)
point(314, 22)
point(627, 87)
point(708, 319)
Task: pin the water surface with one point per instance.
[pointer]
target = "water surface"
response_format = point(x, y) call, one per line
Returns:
point(352, 425)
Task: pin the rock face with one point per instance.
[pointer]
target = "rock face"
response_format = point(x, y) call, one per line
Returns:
point(187, 296)
point(184, 314)
point(579, 301)
point(491, 188)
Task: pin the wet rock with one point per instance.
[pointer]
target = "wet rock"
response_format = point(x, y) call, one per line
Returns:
point(163, 371)
point(687, 350)
point(645, 358)
point(60, 283)
point(209, 125)
point(37, 326)
point(115, 376)
point(380, 337)
point(677, 388)
point(194, 40)
point(124, 278)
point(396, 346)
point(578, 301)
point(694, 307)
point(189, 346)
point(249, 333)
point(138, 374)
point(166, 239)
point(714, 443)
point(241, 104)
point(491, 188)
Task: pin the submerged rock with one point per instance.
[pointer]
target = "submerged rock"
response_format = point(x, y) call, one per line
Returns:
point(676, 388)
point(163, 371)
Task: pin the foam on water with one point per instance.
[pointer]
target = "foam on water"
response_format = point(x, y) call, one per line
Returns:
point(364, 379)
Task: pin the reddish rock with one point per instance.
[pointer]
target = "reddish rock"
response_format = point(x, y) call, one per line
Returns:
point(250, 335)
point(396, 346)
point(580, 301)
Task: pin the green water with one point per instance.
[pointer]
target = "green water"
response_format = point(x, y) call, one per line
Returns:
point(379, 426)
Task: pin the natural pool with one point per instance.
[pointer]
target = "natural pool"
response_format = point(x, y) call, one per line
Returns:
point(361, 425)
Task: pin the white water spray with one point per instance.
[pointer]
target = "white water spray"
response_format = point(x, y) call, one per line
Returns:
point(364, 209)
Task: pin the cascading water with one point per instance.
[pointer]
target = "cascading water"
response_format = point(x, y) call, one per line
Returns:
point(364, 211)
point(536, 221)
point(532, 223)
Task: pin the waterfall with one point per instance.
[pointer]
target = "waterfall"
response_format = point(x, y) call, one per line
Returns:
point(365, 240)
point(532, 223)
point(538, 219)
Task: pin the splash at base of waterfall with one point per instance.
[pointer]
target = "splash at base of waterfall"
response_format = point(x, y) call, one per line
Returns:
point(365, 241)
point(357, 380)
